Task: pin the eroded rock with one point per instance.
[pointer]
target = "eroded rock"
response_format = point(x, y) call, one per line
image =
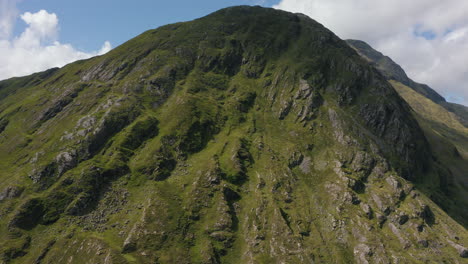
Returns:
point(295, 159)
point(362, 252)
point(402, 219)
point(305, 165)
point(367, 210)
point(11, 192)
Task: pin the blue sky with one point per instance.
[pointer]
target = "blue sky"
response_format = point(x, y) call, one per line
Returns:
point(88, 23)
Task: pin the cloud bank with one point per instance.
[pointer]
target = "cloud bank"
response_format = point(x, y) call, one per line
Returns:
point(428, 38)
point(37, 48)
point(8, 14)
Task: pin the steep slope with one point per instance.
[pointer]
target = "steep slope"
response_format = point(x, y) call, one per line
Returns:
point(460, 110)
point(393, 71)
point(448, 140)
point(443, 123)
point(251, 135)
point(438, 115)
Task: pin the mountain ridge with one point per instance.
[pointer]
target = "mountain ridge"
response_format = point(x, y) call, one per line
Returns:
point(393, 71)
point(246, 135)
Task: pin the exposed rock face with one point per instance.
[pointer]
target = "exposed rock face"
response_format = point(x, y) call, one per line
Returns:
point(65, 161)
point(11, 192)
point(249, 136)
point(367, 210)
point(463, 251)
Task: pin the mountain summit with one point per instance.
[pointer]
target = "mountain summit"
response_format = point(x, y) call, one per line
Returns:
point(251, 135)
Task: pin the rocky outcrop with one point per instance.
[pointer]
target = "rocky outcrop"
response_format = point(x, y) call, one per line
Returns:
point(11, 192)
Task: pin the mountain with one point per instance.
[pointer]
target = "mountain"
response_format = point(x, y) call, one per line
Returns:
point(251, 135)
point(443, 123)
point(393, 71)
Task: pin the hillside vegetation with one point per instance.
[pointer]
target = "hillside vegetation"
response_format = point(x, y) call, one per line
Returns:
point(250, 135)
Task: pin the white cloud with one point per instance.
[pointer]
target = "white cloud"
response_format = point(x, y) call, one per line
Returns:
point(106, 47)
point(37, 48)
point(395, 28)
point(8, 13)
point(41, 26)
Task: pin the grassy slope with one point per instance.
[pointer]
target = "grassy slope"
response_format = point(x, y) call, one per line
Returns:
point(430, 110)
point(447, 136)
point(168, 150)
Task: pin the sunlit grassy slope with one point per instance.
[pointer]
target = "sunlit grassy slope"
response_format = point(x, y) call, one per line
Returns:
point(442, 122)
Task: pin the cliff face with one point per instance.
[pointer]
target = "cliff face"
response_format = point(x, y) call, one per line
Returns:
point(250, 135)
